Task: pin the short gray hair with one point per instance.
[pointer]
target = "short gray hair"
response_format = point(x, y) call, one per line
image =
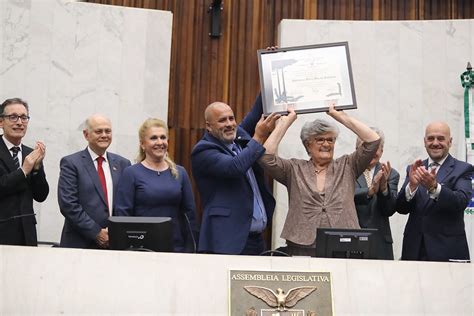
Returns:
point(376, 130)
point(315, 128)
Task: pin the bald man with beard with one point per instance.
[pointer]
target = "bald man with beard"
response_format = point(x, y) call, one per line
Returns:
point(237, 203)
point(435, 194)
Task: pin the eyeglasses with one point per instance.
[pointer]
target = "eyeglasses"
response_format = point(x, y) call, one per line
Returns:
point(321, 140)
point(15, 117)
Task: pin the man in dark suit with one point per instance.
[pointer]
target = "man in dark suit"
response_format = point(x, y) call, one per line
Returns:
point(87, 183)
point(236, 201)
point(22, 177)
point(435, 194)
point(375, 196)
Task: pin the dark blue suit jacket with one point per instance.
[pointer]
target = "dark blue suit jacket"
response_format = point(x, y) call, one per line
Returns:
point(439, 222)
point(226, 195)
point(81, 198)
point(374, 212)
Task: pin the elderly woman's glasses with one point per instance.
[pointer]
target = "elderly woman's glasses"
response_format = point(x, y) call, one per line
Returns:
point(321, 140)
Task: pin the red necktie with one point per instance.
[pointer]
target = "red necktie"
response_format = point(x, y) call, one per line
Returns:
point(100, 159)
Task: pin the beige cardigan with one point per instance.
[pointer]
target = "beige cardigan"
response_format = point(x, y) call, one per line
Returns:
point(310, 209)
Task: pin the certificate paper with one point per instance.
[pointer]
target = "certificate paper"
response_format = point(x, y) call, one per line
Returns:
point(308, 78)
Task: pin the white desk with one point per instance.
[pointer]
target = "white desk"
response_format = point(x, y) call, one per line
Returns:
point(52, 281)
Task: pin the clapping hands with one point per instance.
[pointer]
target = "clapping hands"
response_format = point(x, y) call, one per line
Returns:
point(34, 159)
point(380, 182)
point(419, 175)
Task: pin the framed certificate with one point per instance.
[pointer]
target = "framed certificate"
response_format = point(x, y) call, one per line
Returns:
point(308, 78)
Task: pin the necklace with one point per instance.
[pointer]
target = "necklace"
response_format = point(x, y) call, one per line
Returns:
point(154, 167)
point(320, 170)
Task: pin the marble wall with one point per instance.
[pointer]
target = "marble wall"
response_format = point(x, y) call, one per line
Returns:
point(406, 74)
point(70, 60)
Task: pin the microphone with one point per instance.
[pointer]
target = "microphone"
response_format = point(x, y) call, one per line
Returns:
point(191, 232)
point(159, 173)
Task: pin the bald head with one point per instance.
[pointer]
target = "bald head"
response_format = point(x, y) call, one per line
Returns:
point(439, 127)
point(96, 119)
point(220, 122)
point(437, 140)
point(98, 133)
point(213, 108)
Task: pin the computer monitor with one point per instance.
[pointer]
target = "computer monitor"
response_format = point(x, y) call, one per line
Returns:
point(346, 243)
point(141, 233)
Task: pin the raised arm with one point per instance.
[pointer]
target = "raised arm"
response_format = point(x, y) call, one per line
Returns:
point(251, 119)
point(365, 133)
point(272, 142)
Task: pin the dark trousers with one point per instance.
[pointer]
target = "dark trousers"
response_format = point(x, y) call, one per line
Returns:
point(254, 245)
point(16, 239)
point(301, 250)
point(423, 256)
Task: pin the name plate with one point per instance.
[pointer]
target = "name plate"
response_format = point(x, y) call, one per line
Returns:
point(279, 293)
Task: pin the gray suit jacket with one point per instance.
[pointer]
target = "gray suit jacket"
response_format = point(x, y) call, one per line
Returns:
point(81, 198)
point(374, 212)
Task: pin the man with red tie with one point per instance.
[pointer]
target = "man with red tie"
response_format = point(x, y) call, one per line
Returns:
point(22, 177)
point(87, 182)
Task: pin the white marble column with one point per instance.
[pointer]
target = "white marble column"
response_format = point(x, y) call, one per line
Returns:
point(72, 59)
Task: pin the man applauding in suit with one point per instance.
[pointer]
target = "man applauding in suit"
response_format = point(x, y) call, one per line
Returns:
point(435, 194)
point(87, 182)
point(375, 196)
point(22, 177)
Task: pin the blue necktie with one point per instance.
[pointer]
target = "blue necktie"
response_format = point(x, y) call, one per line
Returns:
point(259, 218)
point(235, 149)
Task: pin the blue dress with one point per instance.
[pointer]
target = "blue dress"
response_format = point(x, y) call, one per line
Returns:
point(146, 192)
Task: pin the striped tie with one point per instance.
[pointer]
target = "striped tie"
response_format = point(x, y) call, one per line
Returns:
point(434, 166)
point(368, 177)
point(15, 151)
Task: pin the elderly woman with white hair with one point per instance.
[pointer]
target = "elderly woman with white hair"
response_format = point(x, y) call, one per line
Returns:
point(321, 189)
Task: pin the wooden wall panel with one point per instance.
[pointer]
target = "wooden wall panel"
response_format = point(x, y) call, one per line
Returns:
point(205, 69)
